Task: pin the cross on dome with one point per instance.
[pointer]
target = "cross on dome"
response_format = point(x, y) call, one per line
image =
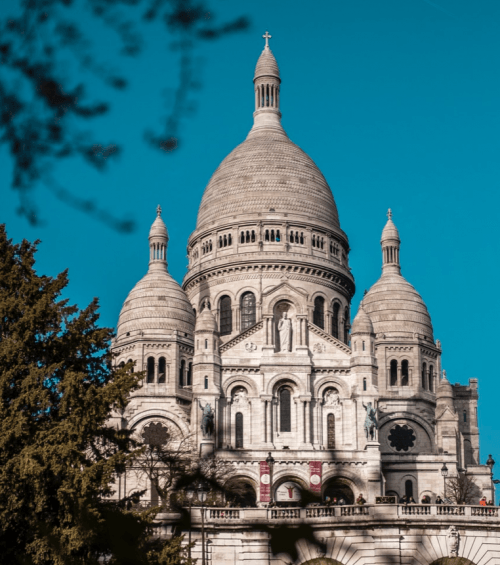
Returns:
point(158, 210)
point(267, 37)
point(389, 214)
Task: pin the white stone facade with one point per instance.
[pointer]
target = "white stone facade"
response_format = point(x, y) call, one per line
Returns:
point(268, 243)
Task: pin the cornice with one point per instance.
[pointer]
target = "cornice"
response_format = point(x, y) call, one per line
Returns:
point(242, 336)
point(329, 338)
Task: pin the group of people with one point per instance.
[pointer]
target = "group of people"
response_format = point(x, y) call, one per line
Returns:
point(426, 499)
point(342, 502)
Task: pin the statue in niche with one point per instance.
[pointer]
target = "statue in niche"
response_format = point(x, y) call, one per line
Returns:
point(452, 540)
point(371, 424)
point(240, 396)
point(285, 332)
point(332, 397)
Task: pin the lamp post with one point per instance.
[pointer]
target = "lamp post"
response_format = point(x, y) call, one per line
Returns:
point(270, 463)
point(202, 496)
point(444, 473)
point(190, 495)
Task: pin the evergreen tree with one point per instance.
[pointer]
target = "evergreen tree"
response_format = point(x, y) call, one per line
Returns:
point(58, 457)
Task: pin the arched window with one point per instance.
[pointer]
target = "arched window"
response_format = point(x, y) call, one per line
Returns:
point(226, 316)
point(330, 432)
point(424, 376)
point(314, 241)
point(253, 236)
point(404, 373)
point(319, 312)
point(182, 368)
point(242, 237)
point(335, 320)
point(247, 310)
point(162, 367)
point(267, 235)
point(409, 488)
point(132, 369)
point(431, 378)
point(364, 384)
point(190, 375)
point(206, 382)
point(465, 415)
point(346, 326)
point(285, 411)
point(278, 236)
point(239, 430)
point(291, 237)
point(151, 370)
point(394, 372)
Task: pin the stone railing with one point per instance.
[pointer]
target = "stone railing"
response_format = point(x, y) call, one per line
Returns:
point(367, 512)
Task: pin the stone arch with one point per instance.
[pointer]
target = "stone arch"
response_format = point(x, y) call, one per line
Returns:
point(160, 415)
point(409, 416)
point(452, 561)
point(299, 476)
point(356, 482)
point(247, 288)
point(295, 299)
point(339, 487)
point(239, 380)
point(214, 304)
point(321, 561)
point(272, 385)
point(323, 295)
point(244, 491)
point(325, 382)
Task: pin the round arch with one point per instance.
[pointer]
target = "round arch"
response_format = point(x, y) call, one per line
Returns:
point(325, 382)
point(357, 483)
point(323, 295)
point(271, 386)
point(216, 298)
point(322, 561)
point(241, 491)
point(161, 415)
point(452, 561)
point(282, 297)
point(241, 292)
point(242, 380)
point(409, 416)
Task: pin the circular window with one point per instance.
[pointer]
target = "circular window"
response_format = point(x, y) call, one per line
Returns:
point(401, 437)
point(155, 434)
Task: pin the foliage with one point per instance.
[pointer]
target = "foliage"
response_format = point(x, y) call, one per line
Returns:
point(45, 107)
point(462, 489)
point(57, 455)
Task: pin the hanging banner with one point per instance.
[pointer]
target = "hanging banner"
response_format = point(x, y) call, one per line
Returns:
point(265, 482)
point(315, 476)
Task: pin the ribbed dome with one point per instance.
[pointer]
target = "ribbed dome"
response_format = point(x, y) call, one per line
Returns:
point(205, 322)
point(267, 172)
point(267, 65)
point(390, 231)
point(158, 228)
point(396, 308)
point(156, 305)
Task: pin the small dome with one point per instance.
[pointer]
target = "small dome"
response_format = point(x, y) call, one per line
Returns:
point(205, 322)
point(158, 229)
point(266, 65)
point(390, 231)
point(362, 322)
point(444, 387)
point(155, 306)
point(396, 308)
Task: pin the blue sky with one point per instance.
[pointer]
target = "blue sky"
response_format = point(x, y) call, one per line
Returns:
point(395, 100)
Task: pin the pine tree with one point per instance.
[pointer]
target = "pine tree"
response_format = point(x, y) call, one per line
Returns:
point(58, 457)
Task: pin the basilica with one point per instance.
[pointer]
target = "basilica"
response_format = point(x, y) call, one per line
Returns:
point(258, 358)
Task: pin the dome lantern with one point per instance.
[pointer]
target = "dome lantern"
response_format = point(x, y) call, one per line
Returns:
point(158, 241)
point(390, 246)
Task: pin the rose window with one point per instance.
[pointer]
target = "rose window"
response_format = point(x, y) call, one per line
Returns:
point(155, 434)
point(402, 437)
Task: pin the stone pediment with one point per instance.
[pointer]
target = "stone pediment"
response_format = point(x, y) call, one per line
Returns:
point(321, 343)
point(247, 342)
point(446, 415)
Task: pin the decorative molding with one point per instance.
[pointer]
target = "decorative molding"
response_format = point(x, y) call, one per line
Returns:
point(329, 338)
point(242, 336)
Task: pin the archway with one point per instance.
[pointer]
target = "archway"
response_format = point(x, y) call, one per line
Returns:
point(338, 488)
point(240, 493)
point(322, 561)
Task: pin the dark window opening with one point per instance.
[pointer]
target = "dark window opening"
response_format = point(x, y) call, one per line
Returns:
point(267, 235)
point(394, 372)
point(335, 320)
point(182, 368)
point(206, 382)
point(319, 312)
point(424, 376)
point(132, 369)
point(278, 237)
point(331, 431)
point(404, 373)
point(162, 367)
point(226, 316)
point(248, 317)
point(285, 411)
point(431, 378)
point(151, 370)
point(239, 430)
point(190, 375)
point(346, 326)
point(409, 489)
point(364, 384)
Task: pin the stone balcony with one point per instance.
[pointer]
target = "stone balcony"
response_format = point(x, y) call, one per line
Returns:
point(362, 515)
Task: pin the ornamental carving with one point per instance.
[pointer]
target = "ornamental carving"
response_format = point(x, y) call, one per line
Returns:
point(319, 347)
point(250, 346)
point(331, 397)
point(452, 541)
point(240, 395)
point(402, 437)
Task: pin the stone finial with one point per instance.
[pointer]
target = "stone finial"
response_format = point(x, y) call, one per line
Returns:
point(158, 210)
point(389, 214)
point(267, 37)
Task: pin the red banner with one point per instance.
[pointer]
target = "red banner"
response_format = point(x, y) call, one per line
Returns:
point(315, 476)
point(265, 482)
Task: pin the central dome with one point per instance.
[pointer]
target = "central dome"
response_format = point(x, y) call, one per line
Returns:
point(267, 172)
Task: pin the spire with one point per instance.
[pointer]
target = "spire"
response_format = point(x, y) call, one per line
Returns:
point(390, 247)
point(158, 241)
point(267, 82)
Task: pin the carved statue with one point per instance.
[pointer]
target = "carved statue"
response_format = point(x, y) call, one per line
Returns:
point(207, 420)
point(371, 423)
point(240, 396)
point(332, 397)
point(285, 331)
point(452, 540)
